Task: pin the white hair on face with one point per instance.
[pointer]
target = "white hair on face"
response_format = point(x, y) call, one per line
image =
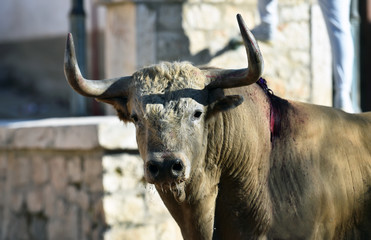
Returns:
point(168, 76)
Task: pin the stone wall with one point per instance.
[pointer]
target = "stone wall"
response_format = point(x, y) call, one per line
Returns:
point(297, 62)
point(78, 178)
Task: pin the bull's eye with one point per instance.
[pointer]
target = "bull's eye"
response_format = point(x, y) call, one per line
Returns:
point(134, 117)
point(197, 114)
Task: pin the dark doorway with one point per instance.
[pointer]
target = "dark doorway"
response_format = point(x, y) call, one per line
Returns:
point(365, 52)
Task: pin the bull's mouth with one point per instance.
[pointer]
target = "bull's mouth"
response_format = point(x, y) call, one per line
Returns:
point(176, 188)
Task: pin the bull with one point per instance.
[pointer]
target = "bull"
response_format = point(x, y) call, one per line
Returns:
point(231, 160)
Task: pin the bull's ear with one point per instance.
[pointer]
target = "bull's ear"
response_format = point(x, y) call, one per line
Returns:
point(120, 105)
point(224, 104)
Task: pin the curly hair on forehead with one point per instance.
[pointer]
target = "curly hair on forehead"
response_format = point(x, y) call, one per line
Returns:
point(167, 76)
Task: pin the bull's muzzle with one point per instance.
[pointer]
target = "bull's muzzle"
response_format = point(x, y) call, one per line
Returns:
point(166, 171)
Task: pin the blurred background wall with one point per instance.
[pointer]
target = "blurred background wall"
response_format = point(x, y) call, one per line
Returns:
point(32, 40)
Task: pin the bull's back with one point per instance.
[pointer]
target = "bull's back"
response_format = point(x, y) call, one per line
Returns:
point(326, 158)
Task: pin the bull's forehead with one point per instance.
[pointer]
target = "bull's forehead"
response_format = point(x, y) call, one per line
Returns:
point(171, 111)
point(168, 77)
point(170, 87)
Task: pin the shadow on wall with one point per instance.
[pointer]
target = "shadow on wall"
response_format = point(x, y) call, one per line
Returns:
point(172, 43)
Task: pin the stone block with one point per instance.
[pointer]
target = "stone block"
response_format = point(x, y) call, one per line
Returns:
point(16, 200)
point(91, 227)
point(300, 89)
point(18, 171)
point(37, 228)
point(231, 59)
point(76, 137)
point(146, 35)
point(35, 200)
point(125, 165)
point(74, 170)
point(55, 229)
point(38, 137)
point(294, 13)
point(295, 2)
point(86, 226)
point(58, 174)
point(122, 172)
point(3, 165)
point(71, 223)
point(294, 35)
point(2, 196)
point(139, 233)
point(63, 134)
point(195, 17)
point(126, 208)
point(120, 40)
point(16, 228)
point(40, 173)
point(72, 195)
point(250, 2)
point(213, 1)
point(300, 57)
point(114, 134)
point(156, 207)
point(321, 66)
point(83, 200)
point(171, 45)
point(198, 40)
point(4, 137)
point(230, 12)
point(92, 169)
point(168, 230)
point(61, 208)
point(96, 185)
point(111, 182)
point(50, 200)
point(170, 17)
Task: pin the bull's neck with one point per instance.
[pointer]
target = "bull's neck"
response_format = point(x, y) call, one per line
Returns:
point(242, 135)
point(241, 144)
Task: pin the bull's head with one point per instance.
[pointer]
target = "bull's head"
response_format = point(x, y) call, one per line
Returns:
point(170, 105)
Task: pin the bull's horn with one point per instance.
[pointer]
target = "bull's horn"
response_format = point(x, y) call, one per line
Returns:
point(106, 88)
point(240, 77)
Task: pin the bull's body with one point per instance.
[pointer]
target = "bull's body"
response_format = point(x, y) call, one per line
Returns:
point(232, 161)
point(311, 182)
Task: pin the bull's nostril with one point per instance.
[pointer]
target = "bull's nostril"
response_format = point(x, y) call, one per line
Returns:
point(153, 169)
point(177, 168)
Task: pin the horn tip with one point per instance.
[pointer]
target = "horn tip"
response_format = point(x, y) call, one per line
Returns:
point(69, 39)
point(70, 48)
point(239, 18)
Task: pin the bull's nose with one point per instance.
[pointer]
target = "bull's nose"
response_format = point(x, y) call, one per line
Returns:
point(177, 168)
point(166, 170)
point(153, 168)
